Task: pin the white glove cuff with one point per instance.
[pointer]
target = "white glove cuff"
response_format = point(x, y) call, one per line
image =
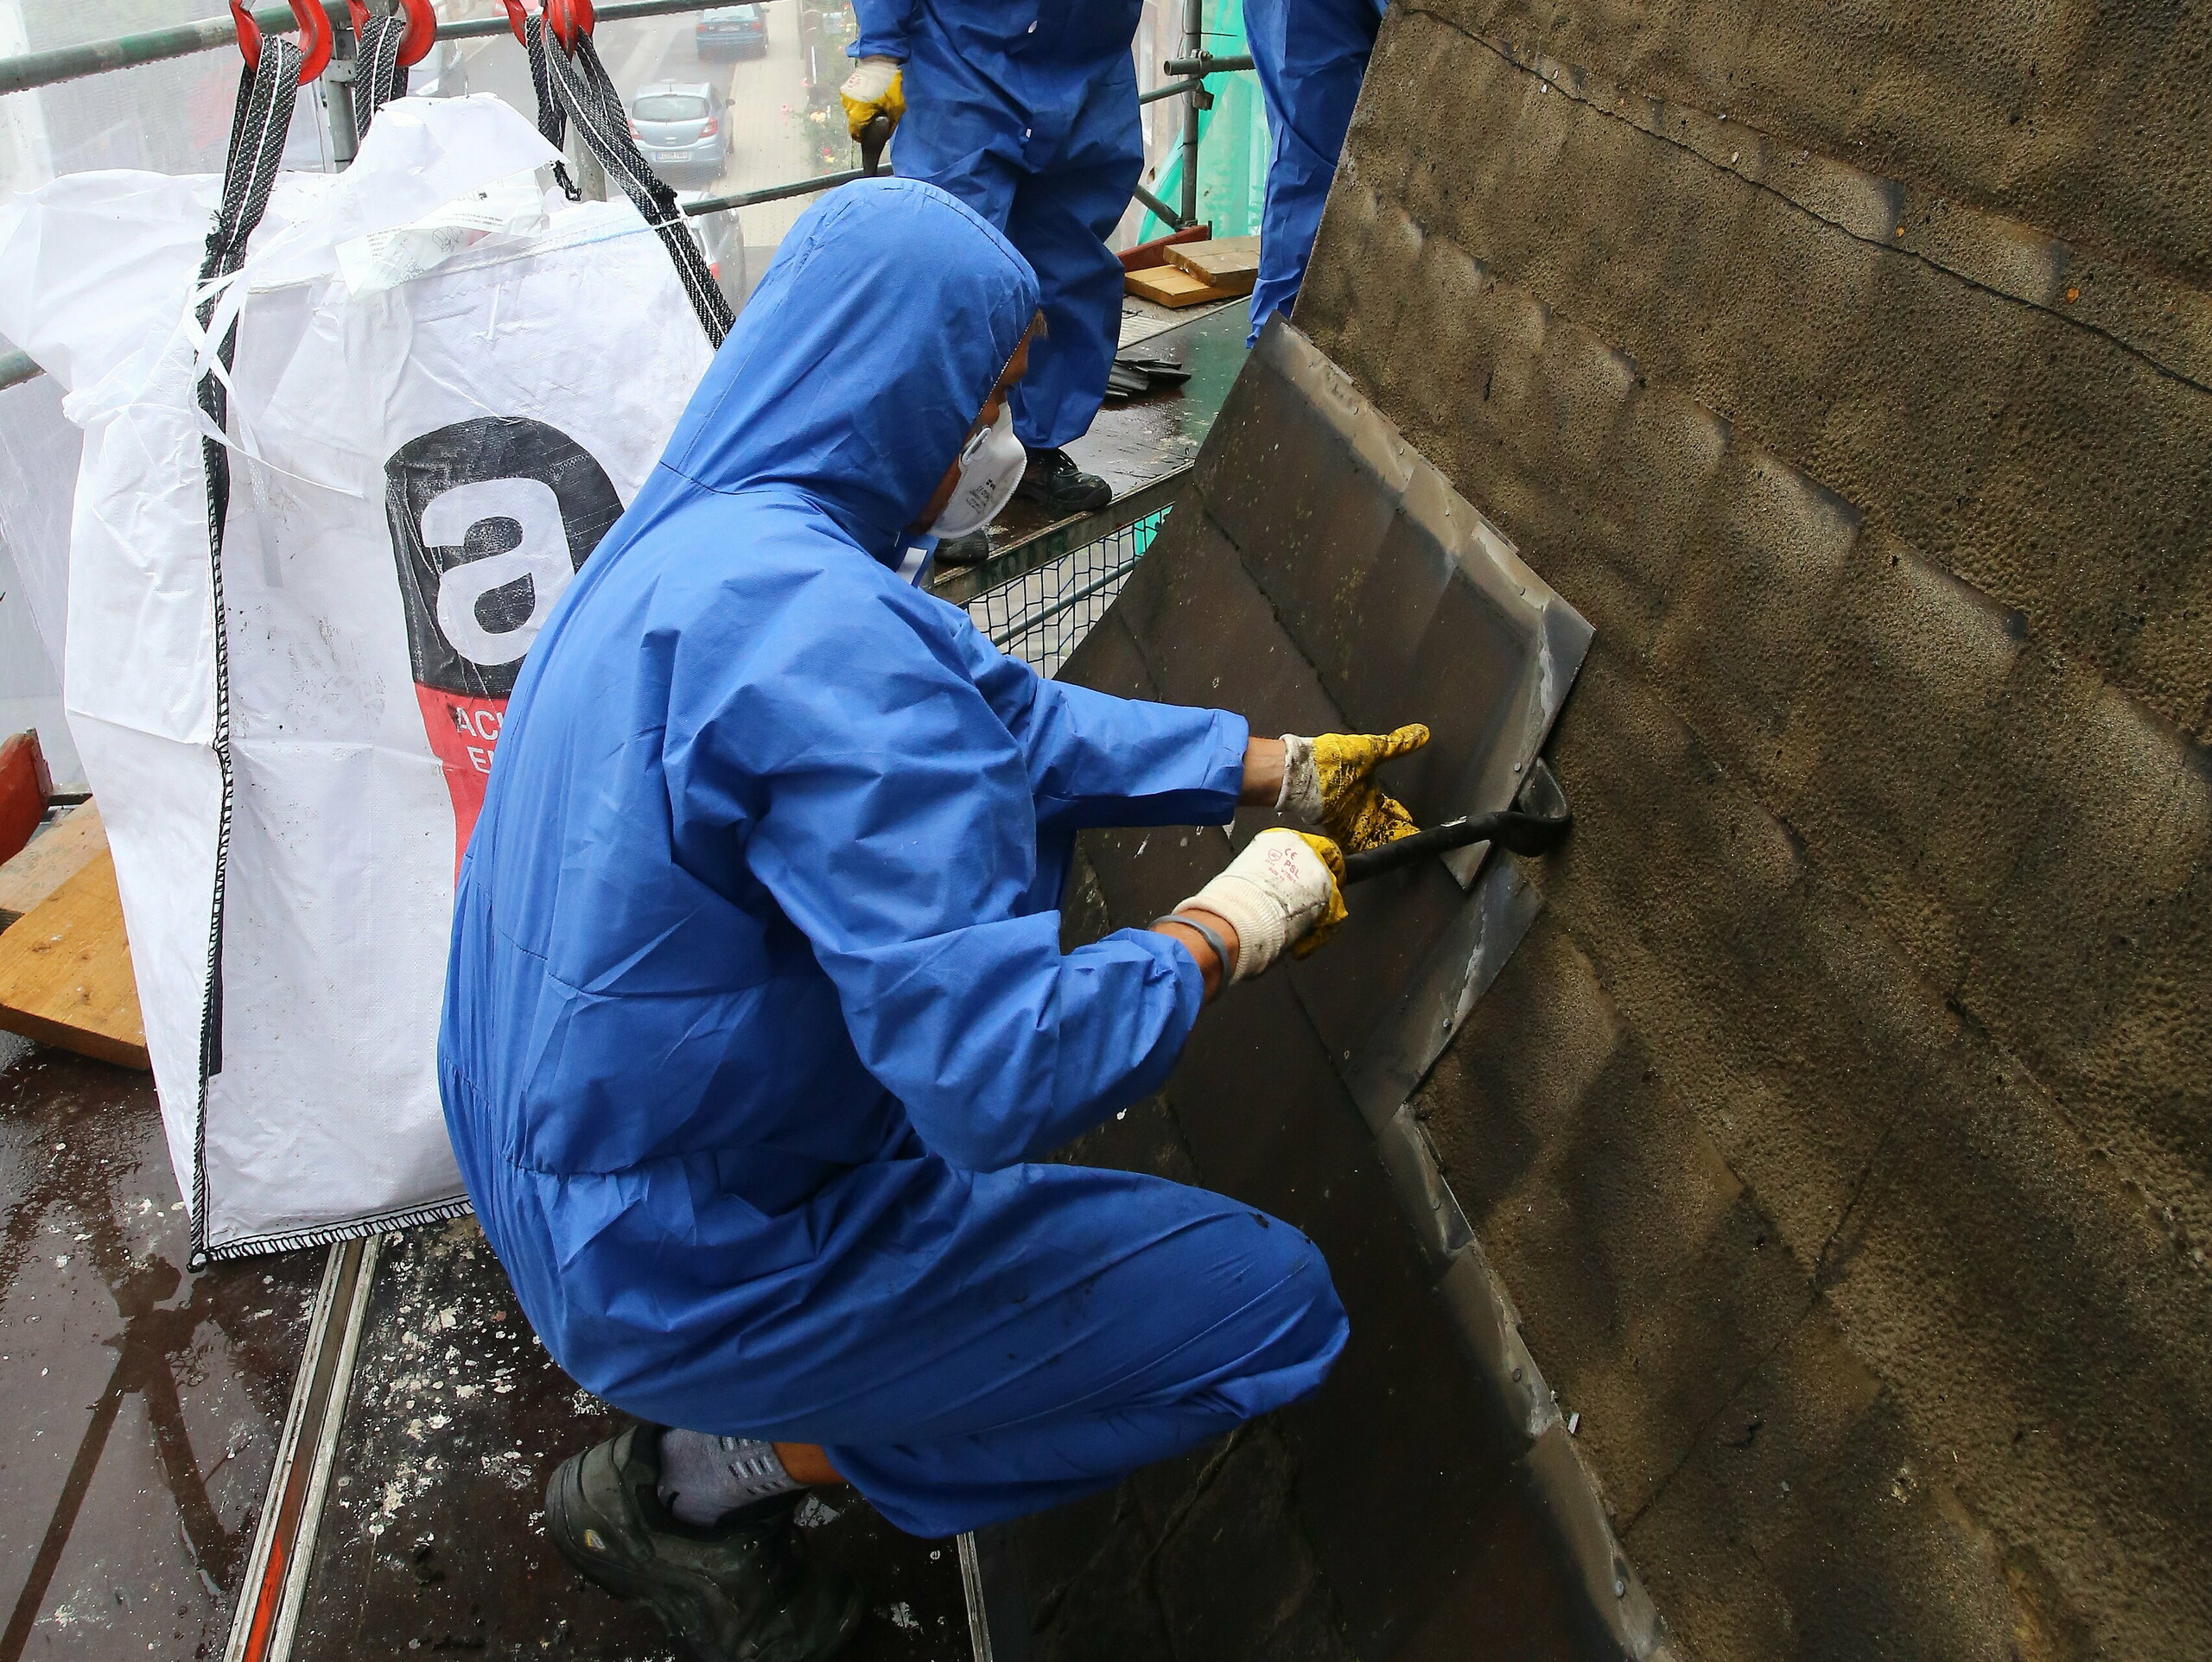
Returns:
point(1262, 929)
point(870, 79)
point(1270, 894)
point(1300, 795)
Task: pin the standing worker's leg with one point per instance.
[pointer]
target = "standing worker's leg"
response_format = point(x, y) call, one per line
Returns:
point(1061, 220)
point(1309, 56)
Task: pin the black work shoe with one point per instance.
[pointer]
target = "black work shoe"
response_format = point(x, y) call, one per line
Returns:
point(1056, 483)
point(741, 1591)
point(969, 550)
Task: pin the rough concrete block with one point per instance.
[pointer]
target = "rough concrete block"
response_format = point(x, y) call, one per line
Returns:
point(2042, 1340)
point(1908, 651)
point(1789, 1025)
point(2072, 118)
point(2089, 962)
point(1809, 1522)
point(1647, 1279)
point(2001, 433)
point(1763, 579)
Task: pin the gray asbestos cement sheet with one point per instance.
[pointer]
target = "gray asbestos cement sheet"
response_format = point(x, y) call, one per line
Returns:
point(1409, 602)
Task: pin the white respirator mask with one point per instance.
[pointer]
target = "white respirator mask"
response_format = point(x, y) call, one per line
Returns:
point(991, 465)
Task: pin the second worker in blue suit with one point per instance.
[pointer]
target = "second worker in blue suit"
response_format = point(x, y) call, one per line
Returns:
point(1026, 110)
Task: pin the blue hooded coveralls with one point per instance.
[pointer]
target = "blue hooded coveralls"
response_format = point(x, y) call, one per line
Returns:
point(1311, 56)
point(756, 1010)
point(1026, 110)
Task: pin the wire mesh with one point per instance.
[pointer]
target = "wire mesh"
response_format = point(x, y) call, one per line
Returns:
point(1042, 616)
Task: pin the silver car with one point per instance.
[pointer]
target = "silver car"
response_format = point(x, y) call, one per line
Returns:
point(680, 128)
point(722, 239)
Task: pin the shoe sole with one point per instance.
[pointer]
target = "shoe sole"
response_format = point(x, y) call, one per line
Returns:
point(563, 1512)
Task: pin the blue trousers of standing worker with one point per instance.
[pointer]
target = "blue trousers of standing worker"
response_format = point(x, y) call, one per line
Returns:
point(1309, 56)
point(1053, 169)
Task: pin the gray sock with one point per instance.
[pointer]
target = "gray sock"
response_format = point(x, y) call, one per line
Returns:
point(703, 1478)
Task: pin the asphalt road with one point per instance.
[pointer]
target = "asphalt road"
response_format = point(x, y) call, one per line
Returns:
point(771, 141)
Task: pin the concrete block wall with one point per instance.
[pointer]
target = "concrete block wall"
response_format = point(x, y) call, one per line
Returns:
point(1841, 1128)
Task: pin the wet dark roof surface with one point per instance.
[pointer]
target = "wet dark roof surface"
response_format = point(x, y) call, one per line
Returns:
point(144, 1400)
point(433, 1539)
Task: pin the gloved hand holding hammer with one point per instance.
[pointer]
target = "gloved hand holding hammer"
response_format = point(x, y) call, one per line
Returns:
point(876, 87)
point(1328, 782)
point(1286, 889)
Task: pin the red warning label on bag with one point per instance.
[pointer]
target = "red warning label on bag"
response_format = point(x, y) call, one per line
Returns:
point(489, 520)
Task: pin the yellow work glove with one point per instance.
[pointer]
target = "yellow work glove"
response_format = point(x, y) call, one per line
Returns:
point(876, 87)
point(1329, 781)
point(1284, 890)
point(1332, 914)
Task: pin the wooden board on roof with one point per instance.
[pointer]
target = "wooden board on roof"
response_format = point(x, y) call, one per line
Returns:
point(51, 859)
point(1171, 286)
point(64, 971)
point(1226, 263)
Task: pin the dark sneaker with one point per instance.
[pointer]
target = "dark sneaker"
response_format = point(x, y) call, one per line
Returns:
point(1055, 483)
point(741, 1591)
point(969, 550)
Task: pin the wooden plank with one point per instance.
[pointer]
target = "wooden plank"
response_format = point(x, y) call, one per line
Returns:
point(24, 786)
point(1169, 285)
point(1145, 256)
point(53, 856)
point(1230, 263)
point(64, 971)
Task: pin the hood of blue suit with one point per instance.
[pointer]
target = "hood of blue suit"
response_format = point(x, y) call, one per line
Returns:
point(860, 362)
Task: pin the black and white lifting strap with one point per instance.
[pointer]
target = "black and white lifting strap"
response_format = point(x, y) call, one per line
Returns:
point(574, 88)
point(263, 116)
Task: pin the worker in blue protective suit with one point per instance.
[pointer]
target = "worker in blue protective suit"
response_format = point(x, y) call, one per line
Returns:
point(756, 1012)
point(1311, 56)
point(1025, 109)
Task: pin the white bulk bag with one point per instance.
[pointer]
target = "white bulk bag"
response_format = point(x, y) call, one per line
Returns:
point(449, 380)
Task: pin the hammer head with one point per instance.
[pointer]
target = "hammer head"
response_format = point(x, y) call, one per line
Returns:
point(874, 137)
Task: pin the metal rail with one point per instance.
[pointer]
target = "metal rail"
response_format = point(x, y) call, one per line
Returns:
point(68, 63)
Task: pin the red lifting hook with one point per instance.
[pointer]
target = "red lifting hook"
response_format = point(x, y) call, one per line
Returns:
point(314, 36)
point(568, 19)
point(422, 27)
